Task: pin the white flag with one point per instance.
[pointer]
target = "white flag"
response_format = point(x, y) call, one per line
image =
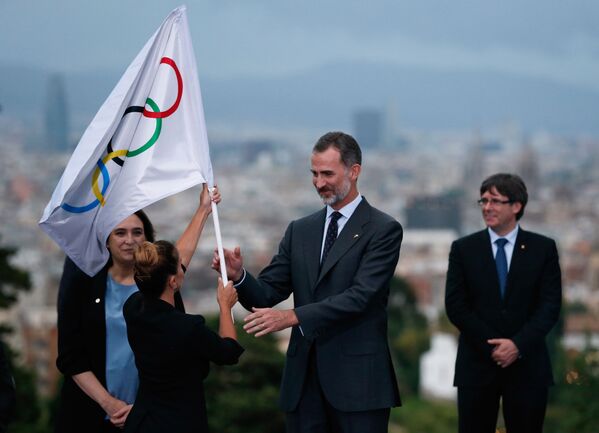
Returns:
point(147, 141)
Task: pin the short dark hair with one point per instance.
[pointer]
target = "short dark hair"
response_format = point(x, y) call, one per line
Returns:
point(347, 146)
point(154, 263)
point(510, 185)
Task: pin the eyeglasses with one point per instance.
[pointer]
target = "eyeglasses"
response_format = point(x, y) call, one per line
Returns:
point(493, 202)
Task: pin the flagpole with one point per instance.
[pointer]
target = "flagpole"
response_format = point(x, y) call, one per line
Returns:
point(219, 244)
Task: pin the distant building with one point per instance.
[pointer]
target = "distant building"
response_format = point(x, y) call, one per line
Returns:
point(40, 347)
point(56, 136)
point(368, 128)
point(528, 167)
point(437, 368)
point(424, 265)
point(435, 212)
point(581, 331)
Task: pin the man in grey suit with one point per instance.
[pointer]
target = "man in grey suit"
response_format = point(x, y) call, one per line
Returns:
point(338, 263)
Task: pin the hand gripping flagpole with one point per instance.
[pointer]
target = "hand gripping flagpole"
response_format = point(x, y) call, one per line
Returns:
point(219, 243)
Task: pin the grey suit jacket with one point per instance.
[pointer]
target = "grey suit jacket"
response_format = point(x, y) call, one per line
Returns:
point(341, 307)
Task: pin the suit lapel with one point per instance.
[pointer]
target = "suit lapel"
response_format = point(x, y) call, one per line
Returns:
point(488, 268)
point(351, 233)
point(313, 244)
point(517, 262)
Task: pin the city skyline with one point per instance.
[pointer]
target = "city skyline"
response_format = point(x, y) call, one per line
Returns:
point(283, 65)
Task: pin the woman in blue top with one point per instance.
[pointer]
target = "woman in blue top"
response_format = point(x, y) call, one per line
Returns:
point(101, 380)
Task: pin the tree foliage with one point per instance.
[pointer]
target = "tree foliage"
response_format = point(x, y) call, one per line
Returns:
point(26, 418)
point(574, 406)
point(408, 334)
point(13, 280)
point(244, 398)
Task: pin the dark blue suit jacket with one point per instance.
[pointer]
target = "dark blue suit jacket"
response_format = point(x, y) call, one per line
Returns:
point(341, 307)
point(527, 313)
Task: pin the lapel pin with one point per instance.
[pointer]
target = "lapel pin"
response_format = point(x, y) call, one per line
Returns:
point(356, 236)
point(97, 300)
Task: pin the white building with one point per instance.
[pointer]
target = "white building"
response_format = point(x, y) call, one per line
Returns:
point(437, 367)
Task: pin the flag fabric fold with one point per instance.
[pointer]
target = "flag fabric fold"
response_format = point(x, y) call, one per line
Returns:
point(147, 141)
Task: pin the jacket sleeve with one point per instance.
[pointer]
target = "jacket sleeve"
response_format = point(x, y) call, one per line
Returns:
point(72, 355)
point(472, 327)
point(370, 282)
point(546, 312)
point(207, 344)
point(274, 282)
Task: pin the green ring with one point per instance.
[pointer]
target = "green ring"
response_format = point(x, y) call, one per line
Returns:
point(154, 137)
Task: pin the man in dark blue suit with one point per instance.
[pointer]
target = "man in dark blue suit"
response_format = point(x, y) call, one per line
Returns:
point(503, 293)
point(337, 263)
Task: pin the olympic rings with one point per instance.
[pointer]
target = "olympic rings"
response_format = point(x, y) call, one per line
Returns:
point(174, 107)
point(150, 142)
point(93, 204)
point(154, 137)
point(112, 155)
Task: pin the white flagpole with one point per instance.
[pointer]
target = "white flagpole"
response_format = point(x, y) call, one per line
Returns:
point(219, 245)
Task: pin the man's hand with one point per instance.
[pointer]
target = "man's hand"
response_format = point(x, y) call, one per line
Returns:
point(266, 320)
point(234, 263)
point(505, 351)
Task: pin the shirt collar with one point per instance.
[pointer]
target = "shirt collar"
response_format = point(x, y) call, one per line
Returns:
point(346, 210)
point(510, 237)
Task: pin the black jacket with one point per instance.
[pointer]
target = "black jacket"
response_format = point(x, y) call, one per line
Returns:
point(527, 313)
point(81, 346)
point(172, 353)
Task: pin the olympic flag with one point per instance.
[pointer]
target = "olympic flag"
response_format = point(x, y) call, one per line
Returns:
point(147, 141)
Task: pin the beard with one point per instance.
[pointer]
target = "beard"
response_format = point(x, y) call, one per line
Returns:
point(338, 193)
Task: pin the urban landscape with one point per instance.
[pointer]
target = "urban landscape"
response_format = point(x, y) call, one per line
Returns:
point(430, 130)
point(428, 181)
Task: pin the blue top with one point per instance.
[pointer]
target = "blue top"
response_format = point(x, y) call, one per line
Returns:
point(121, 374)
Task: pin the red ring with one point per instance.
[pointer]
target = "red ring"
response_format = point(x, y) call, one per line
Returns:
point(163, 114)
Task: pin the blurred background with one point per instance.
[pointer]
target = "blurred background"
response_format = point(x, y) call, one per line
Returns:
point(439, 95)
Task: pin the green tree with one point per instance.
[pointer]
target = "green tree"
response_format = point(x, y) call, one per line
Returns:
point(244, 398)
point(13, 281)
point(408, 333)
point(575, 407)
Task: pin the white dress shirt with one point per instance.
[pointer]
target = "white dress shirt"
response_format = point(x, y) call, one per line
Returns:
point(509, 245)
point(346, 212)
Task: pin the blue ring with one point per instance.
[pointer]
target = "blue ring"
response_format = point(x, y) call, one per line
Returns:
point(96, 202)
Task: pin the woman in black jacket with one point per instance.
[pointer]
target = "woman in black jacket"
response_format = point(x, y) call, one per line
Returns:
point(173, 349)
point(100, 378)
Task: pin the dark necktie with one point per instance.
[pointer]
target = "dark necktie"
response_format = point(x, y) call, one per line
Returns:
point(501, 264)
point(330, 236)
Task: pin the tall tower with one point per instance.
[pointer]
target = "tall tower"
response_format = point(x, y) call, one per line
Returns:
point(368, 128)
point(56, 116)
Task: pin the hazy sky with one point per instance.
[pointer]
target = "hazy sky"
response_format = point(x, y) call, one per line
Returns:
point(537, 38)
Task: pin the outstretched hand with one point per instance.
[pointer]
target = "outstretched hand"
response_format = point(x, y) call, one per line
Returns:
point(263, 321)
point(233, 260)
